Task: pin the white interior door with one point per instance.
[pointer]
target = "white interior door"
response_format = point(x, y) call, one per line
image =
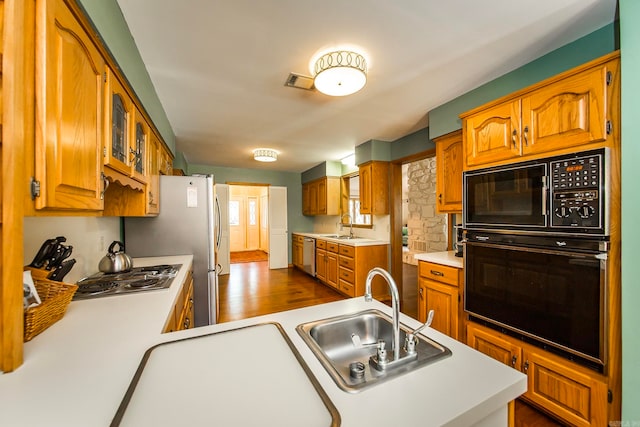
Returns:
point(278, 234)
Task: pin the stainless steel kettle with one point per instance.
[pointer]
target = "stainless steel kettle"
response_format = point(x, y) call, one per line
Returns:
point(115, 261)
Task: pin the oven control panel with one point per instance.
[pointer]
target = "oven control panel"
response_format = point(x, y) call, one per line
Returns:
point(576, 186)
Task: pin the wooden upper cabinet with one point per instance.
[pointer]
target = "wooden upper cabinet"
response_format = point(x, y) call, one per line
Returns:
point(567, 113)
point(374, 188)
point(492, 135)
point(562, 113)
point(140, 147)
point(321, 197)
point(118, 126)
point(449, 155)
point(69, 112)
point(153, 181)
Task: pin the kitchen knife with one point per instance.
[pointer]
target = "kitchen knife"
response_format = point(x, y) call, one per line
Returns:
point(55, 256)
point(63, 253)
point(46, 251)
point(62, 270)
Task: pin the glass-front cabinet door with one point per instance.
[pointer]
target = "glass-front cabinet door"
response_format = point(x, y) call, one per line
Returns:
point(118, 126)
point(138, 153)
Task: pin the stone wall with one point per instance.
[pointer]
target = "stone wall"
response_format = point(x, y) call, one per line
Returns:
point(427, 230)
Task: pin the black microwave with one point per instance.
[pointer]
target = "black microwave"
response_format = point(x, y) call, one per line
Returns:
point(562, 194)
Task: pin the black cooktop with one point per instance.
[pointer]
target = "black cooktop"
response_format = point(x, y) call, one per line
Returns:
point(138, 279)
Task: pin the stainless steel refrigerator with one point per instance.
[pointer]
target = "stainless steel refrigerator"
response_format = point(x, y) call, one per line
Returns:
point(186, 225)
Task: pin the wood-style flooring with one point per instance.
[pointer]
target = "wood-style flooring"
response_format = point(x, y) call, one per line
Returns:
point(252, 289)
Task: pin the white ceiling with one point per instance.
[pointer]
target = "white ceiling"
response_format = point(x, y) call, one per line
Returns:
point(219, 66)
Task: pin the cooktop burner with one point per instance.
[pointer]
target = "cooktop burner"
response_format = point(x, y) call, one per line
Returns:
point(138, 279)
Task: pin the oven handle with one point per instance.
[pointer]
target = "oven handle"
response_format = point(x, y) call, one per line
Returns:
point(598, 255)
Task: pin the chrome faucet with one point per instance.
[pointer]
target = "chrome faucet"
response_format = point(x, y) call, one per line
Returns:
point(395, 305)
point(350, 224)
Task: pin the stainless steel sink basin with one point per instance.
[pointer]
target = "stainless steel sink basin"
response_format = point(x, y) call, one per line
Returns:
point(331, 340)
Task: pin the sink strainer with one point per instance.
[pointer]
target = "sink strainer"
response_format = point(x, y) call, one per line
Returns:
point(356, 370)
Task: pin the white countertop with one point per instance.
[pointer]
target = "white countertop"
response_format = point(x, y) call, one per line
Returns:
point(76, 372)
point(356, 241)
point(444, 258)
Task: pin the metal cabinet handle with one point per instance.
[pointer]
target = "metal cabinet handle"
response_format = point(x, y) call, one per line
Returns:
point(105, 181)
point(421, 291)
point(525, 135)
point(437, 273)
point(514, 134)
point(514, 359)
point(187, 322)
point(440, 197)
point(525, 367)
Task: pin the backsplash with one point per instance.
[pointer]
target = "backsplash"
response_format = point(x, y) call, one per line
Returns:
point(89, 236)
point(331, 224)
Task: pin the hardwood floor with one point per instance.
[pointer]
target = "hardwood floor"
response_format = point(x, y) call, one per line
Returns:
point(252, 289)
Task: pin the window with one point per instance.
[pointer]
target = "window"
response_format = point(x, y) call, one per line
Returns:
point(234, 212)
point(351, 202)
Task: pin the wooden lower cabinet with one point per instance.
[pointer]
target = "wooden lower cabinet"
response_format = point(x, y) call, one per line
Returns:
point(440, 290)
point(345, 267)
point(572, 393)
point(182, 314)
point(297, 244)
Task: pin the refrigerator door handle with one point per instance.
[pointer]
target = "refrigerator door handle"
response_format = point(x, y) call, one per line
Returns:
point(218, 220)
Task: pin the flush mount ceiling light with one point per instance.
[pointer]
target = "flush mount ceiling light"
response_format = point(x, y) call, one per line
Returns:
point(265, 155)
point(340, 72)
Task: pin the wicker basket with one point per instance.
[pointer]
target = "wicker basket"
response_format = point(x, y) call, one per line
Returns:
point(55, 297)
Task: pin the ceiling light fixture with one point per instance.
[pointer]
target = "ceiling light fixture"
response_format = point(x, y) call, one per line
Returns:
point(265, 155)
point(340, 72)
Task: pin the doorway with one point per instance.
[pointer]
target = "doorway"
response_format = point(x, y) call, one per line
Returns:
point(248, 223)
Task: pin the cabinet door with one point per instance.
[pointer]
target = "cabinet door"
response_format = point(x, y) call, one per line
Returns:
point(313, 198)
point(364, 172)
point(321, 264)
point(118, 126)
point(567, 113)
point(306, 201)
point(332, 269)
point(574, 396)
point(153, 178)
point(140, 147)
point(493, 135)
point(491, 344)
point(443, 300)
point(449, 172)
point(422, 301)
point(69, 112)
point(322, 197)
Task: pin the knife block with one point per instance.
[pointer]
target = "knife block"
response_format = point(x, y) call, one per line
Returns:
point(54, 297)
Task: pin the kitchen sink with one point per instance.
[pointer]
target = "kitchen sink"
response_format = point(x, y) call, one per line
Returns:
point(345, 344)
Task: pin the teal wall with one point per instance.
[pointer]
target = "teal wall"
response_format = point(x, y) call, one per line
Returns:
point(291, 180)
point(445, 118)
point(630, 52)
point(328, 168)
point(411, 144)
point(108, 20)
point(373, 149)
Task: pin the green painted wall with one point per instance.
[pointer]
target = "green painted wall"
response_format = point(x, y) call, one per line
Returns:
point(108, 20)
point(373, 149)
point(630, 52)
point(413, 143)
point(445, 118)
point(291, 180)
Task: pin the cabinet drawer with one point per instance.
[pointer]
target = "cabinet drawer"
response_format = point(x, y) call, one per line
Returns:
point(321, 244)
point(332, 247)
point(347, 262)
point(298, 238)
point(346, 274)
point(439, 272)
point(347, 288)
point(347, 250)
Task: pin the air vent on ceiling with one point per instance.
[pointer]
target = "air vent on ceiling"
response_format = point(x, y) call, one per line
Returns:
point(299, 81)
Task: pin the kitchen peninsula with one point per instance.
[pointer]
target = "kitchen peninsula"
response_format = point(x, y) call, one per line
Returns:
point(77, 372)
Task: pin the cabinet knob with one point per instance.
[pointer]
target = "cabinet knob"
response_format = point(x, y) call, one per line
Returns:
point(525, 367)
point(514, 134)
point(525, 135)
point(514, 359)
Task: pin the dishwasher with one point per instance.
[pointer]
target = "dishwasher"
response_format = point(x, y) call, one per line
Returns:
point(309, 256)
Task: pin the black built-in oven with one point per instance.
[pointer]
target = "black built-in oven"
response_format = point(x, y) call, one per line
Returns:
point(537, 238)
point(543, 289)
